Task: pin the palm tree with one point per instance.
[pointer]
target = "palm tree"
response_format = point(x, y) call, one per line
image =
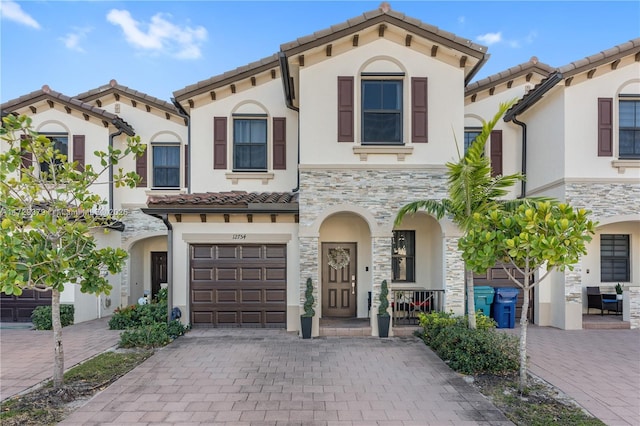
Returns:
point(471, 190)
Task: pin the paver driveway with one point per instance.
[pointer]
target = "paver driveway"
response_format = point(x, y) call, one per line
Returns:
point(264, 377)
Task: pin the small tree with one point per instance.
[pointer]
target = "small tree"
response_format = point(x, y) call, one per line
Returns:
point(384, 300)
point(49, 217)
point(536, 234)
point(471, 189)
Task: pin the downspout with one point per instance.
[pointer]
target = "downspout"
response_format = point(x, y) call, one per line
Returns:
point(523, 183)
point(165, 220)
point(288, 98)
point(186, 116)
point(111, 137)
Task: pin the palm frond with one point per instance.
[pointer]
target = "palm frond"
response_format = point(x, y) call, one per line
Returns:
point(437, 208)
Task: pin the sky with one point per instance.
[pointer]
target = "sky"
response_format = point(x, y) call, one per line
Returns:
point(158, 47)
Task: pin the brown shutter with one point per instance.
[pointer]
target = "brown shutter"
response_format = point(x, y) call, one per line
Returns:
point(219, 142)
point(186, 166)
point(496, 153)
point(419, 110)
point(78, 151)
point(27, 157)
point(605, 127)
point(345, 109)
point(141, 168)
point(279, 143)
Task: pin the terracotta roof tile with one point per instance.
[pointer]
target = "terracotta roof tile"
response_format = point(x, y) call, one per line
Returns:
point(630, 47)
point(236, 199)
point(113, 86)
point(533, 65)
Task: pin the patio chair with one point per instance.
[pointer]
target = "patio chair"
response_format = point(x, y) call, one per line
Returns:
point(596, 300)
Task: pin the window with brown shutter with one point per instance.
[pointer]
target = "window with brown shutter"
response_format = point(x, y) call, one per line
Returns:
point(345, 109)
point(220, 142)
point(27, 158)
point(496, 153)
point(279, 143)
point(605, 127)
point(186, 166)
point(419, 121)
point(141, 168)
point(78, 151)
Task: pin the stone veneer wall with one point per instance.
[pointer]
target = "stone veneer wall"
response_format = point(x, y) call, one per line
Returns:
point(381, 192)
point(604, 200)
point(136, 224)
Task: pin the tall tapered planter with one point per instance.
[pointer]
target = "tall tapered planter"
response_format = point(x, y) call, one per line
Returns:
point(305, 325)
point(383, 325)
point(383, 314)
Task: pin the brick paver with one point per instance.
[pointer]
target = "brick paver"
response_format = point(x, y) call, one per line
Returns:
point(270, 377)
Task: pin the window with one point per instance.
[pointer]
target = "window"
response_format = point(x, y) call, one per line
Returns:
point(614, 258)
point(60, 143)
point(629, 128)
point(403, 256)
point(381, 111)
point(166, 166)
point(249, 144)
point(470, 134)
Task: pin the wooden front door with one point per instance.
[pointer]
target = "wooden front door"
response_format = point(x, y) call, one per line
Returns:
point(158, 270)
point(339, 286)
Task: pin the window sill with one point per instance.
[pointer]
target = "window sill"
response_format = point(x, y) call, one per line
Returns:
point(234, 177)
point(621, 165)
point(164, 191)
point(399, 151)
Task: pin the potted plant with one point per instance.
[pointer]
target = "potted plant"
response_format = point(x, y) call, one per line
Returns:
point(306, 319)
point(618, 291)
point(383, 315)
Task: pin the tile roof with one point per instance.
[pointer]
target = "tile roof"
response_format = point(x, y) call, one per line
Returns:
point(113, 86)
point(220, 80)
point(232, 199)
point(384, 14)
point(45, 93)
point(532, 65)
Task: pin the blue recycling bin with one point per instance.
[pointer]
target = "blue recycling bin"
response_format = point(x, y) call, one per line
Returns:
point(483, 298)
point(504, 306)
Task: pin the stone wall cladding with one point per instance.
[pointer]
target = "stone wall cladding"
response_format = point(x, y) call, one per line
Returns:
point(382, 192)
point(136, 224)
point(604, 200)
point(308, 266)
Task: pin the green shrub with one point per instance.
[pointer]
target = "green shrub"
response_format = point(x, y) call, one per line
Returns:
point(135, 316)
point(470, 351)
point(148, 336)
point(41, 317)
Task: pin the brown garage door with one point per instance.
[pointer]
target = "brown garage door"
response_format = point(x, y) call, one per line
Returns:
point(19, 308)
point(496, 277)
point(238, 285)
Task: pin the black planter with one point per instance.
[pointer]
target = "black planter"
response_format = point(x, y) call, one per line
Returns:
point(383, 325)
point(306, 323)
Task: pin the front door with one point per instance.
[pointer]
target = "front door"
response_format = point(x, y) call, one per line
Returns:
point(158, 270)
point(339, 283)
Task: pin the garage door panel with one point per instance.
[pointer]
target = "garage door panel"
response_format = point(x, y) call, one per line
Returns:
point(227, 317)
point(276, 274)
point(202, 296)
point(19, 308)
point(252, 252)
point(251, 296)
point(275, 296)
point(226, 274)
point(226, 296)
point(201, 317)
point(227, 252)
point(275, 252)
point(275, 317)
point(201, 252)
point(201, 274)
point(251, 317)
point(251, 274)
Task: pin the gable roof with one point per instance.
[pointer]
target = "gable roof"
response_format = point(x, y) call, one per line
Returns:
point(567, 72)
point(525, 69)
point(232, 201)
point(52, 97)
point(113, 88)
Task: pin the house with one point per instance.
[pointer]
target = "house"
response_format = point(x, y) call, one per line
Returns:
point(294, 167)
point(88, 122)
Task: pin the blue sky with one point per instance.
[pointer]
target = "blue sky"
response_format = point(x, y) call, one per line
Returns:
point(158, 47)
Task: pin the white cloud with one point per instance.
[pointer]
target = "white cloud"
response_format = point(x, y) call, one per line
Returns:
point(160, 36)
point(490, 38)
point(72, 40)
point(461, 19)
point(13, 12)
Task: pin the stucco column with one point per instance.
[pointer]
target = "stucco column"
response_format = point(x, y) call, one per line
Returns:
point(381, 270)
point(309, 267)
point(573, 298)
point(454, 296)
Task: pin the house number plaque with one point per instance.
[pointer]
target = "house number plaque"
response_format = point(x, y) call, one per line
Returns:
point(239, 237)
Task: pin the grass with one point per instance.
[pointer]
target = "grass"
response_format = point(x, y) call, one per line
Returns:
point(48, 406)
point(539, 405)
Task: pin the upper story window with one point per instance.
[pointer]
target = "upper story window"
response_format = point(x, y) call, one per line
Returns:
point(249, 144)
point(403, 256)
point(629, 128)
point(382, 111)
point(60, 142)
point(166, 166)
point(470, 134)
point(614, 258)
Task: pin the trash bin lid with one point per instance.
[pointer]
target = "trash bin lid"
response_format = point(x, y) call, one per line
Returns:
point(507, 293)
